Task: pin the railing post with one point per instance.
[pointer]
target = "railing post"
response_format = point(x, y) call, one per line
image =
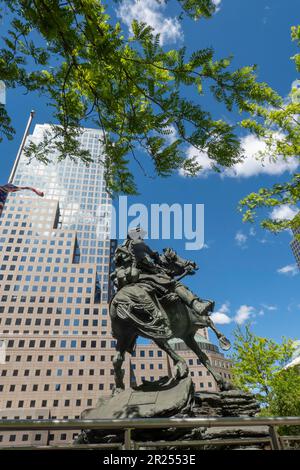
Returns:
point(275, 441)
point(127, 439)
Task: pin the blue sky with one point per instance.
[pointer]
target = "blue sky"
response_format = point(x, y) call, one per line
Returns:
point(239, 267)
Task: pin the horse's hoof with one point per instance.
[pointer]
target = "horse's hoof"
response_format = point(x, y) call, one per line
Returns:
point(224, 343)
point(117, 390)
point(182, 370)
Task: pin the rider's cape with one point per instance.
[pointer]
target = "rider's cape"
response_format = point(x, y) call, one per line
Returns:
point(138, 303)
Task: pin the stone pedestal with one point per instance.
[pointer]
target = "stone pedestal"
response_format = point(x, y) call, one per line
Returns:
point(171, 398)
point(227, 403)
point(164, 397)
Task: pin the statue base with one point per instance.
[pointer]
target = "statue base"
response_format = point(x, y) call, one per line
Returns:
point(172, 398)
point(164, 397)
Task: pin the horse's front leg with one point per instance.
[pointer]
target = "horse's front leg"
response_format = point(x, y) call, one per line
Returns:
point(223, 341)
point(118, 372)
point(182, 369)
point(193, 345)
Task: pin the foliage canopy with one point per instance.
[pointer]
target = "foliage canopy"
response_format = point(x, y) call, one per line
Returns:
point(71, 52)
point(279, 127)
point(259, 368)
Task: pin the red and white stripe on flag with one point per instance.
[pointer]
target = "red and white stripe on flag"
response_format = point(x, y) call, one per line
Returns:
point(11, 188)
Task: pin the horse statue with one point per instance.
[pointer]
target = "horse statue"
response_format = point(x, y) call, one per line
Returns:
point(151, 302)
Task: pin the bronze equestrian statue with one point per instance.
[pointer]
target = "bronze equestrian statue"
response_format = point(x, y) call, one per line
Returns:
point(152, 302)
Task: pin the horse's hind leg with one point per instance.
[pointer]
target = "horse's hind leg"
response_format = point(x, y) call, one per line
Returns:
point(193, 345)
point(118, 372)
point(182, 369)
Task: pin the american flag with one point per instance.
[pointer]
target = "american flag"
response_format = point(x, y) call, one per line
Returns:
point(11, 188)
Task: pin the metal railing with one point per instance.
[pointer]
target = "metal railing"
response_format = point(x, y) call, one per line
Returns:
point(128, 425)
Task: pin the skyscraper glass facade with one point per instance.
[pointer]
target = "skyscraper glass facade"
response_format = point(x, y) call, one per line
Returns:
point(55, 257)
point(84, 205)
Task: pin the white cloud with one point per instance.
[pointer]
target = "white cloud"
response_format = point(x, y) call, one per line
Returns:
point(240, 238)
point(284, 212)
point(218, 4)
point(252, 164)
point(220, 317)
point(289, 270)
point(271, 308)
point(202, 159)
point(243, 314)
point(172, 136)
point(151, 12)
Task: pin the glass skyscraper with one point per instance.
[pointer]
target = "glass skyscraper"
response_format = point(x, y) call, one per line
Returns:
point(84, 205)
point(55, 258)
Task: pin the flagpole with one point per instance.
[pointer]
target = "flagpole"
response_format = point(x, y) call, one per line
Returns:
point(31, 116)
